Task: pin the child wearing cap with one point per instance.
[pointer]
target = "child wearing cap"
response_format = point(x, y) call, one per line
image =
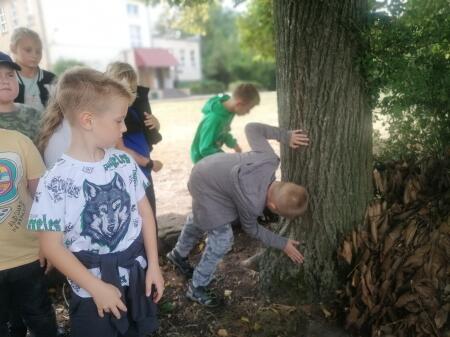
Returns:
point(22, 285)
point(15, 116)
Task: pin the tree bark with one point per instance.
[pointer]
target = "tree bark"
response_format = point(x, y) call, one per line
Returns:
point(321, 89)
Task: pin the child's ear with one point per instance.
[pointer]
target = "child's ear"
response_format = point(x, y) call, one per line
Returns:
point(272, 206)
point(85, 118)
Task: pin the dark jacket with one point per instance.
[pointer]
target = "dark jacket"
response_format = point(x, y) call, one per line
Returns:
point(45, 78)
point(141, 105)
point(142, 311)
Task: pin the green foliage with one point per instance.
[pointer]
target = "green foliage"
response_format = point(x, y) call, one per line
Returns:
point(63, 64)
point(234, 85)
point(410, 63)
point(207, 87)
point(223, 59)
point(257, 30)
point(190, 20)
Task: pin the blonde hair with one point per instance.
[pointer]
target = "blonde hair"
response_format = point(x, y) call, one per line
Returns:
point(291, 199)
point(79, 89)
point(20, 33)
point(123, 72)
point(247, 92)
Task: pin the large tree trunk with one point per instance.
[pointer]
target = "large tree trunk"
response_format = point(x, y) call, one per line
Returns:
point(321, 89)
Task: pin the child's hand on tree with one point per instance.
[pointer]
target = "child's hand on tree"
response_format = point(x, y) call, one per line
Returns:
point(151, 121)
point(157, 166)
point(237, 148)
point(107, 299)
point(298, 138)
point(154, 278)
point(293, 253)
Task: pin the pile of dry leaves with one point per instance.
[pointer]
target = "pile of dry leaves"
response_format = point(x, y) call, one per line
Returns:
point(399, 279)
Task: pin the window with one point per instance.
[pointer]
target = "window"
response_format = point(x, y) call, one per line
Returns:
point(135, 36)
point(15, 18)
point(30, 20)
point(193, 58)
point(3, 25)
point(182, 57)
point(132, 9)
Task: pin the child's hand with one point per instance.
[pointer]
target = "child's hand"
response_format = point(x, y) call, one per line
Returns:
point(107, 298)
point(293, 253)
point(154, 277)
point(298, 138)
point(237, 148)
point(151, 121)
point(44, 262)
point(157, 166)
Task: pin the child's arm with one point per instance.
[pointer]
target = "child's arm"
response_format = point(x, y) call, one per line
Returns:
point(105, 295)
point(32, 186)
point(231, 142)
point(140, 160)
point(269, 238)
point(154, 276)
point(258, 135)
point(210, 142)
point(151, 122)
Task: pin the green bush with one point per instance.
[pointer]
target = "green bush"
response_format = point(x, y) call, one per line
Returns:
point(207, 87)
point(233, 85)
point(62, 65)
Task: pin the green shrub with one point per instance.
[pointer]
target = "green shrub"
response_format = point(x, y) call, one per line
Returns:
point(62, 65)
point(233, 85)
point(207, 87)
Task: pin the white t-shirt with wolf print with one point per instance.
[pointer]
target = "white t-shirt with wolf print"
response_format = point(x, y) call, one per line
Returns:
point(94, 204)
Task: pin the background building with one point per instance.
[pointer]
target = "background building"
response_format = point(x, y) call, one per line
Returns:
point(97, 32)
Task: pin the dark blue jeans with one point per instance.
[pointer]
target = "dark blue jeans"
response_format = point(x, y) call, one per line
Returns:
point(24, 288)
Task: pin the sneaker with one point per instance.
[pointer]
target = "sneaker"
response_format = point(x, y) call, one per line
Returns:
point(181, 263)
point(202, 295)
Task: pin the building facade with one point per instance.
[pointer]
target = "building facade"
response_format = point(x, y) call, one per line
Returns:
point(97, 32)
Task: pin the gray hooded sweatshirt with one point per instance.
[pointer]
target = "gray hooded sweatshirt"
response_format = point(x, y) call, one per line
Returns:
point(230, 186)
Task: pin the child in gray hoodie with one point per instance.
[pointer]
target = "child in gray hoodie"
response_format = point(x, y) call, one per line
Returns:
point(230, 186)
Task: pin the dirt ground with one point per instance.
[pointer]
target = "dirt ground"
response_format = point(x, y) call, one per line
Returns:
point(245, 311)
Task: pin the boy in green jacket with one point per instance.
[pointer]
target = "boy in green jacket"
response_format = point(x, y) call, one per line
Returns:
point(214, 129)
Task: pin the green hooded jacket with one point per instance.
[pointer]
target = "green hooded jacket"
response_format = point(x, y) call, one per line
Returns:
point(214, 129)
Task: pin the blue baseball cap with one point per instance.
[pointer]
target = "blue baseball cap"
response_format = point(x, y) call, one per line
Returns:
point(6, 60)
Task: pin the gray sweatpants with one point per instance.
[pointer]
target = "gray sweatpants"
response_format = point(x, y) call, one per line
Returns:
point(219, 242)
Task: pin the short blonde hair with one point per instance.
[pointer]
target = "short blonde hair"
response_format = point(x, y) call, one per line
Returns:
point(123, 72)
point(20, 33)
point(79, 89)
point(291, 200)
point(247, 92)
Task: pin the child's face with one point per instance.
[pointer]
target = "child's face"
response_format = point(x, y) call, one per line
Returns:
point(28, 52)
point(9, 87)
point(109, 126)
point(243, 108)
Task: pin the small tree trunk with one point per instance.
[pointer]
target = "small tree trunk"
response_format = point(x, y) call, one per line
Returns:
point(321, 90)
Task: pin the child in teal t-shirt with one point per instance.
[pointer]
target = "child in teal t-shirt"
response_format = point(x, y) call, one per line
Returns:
point(214, 129)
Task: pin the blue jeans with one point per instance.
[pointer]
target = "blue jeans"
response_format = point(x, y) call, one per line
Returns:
point(219, 242)
point(24, 288)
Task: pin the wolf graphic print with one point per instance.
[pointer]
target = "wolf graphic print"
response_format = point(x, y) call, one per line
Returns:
point(106, 215)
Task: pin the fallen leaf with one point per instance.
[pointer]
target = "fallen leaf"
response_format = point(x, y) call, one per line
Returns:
point(257, 326)
point(325, 311)
point(222, 333)
point(346, 251)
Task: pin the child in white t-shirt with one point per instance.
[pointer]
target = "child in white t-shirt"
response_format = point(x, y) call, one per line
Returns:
point(95, 223)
